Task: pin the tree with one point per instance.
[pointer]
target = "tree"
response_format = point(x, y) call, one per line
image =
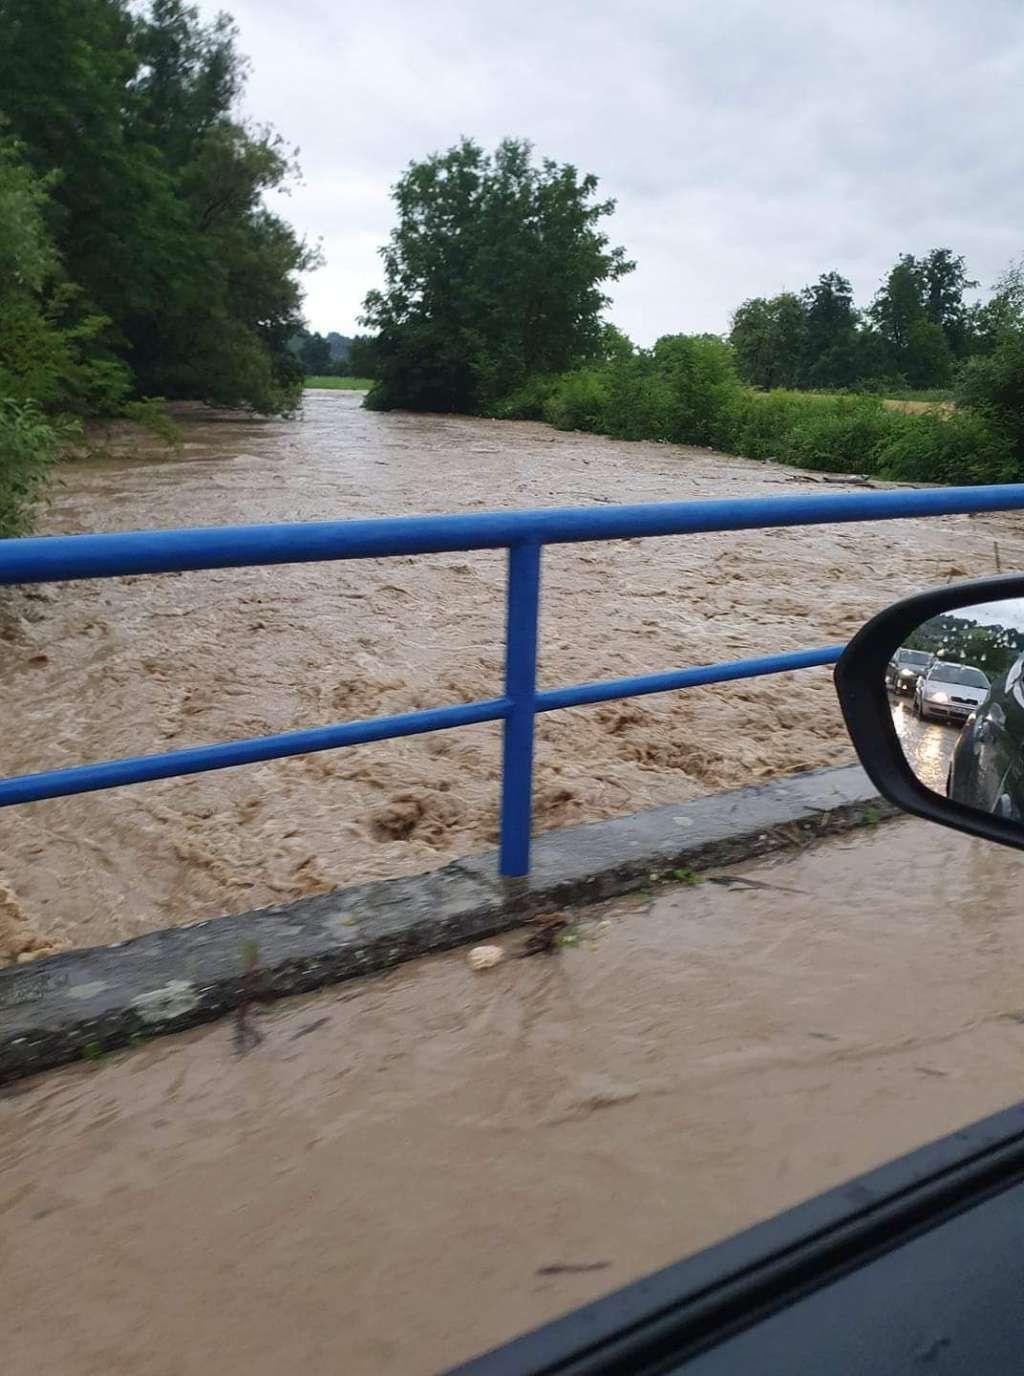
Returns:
point(769, 337)
point(831, 343)
point(52, 350)
point(989, 322)
point(615, 346)
point(494, 272)
point(67, 70)
point(927, 360)
point(340, 346)
point(189, 77)
point(362, 357)
point(158, 194)
point(945, 281)
point(700, 375)
point(899, 303)
point(993, 386)
point(39, 358)
point(919, 348)
point(315, 355)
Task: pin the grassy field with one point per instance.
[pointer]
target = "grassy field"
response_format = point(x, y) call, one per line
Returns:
point(922, 394)
point(909, 402)
point(913, 406)
point(340, 384)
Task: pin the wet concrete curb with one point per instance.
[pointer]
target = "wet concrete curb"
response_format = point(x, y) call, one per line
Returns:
point(59, 1009)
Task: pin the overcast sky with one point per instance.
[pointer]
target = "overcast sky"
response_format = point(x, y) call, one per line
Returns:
point(750, 145)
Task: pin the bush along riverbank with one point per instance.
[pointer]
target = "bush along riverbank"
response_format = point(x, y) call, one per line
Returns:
point(686, 391)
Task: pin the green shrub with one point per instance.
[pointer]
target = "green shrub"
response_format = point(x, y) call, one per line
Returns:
point(639, 402)
point(756, 423)
point(940, 447)
point(150, 413)
point(29, 443)
point(579, 401)
point(685, 391)
point(700, 375)
point(527, 401)
point(840, 437)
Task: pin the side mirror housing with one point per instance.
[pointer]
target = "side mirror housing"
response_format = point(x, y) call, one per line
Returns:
point(932, 692)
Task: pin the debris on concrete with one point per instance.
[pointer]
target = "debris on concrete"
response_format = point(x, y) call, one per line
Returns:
point(485, 957)
point(106, 996)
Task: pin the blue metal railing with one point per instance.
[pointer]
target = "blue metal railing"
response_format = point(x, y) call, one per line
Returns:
point(523, 534)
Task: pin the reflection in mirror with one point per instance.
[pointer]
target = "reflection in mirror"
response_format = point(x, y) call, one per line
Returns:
point(958, 705)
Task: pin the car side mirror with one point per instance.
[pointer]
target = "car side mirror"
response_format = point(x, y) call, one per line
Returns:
point(932, 691)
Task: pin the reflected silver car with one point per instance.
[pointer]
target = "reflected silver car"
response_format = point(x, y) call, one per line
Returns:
point(950, 692)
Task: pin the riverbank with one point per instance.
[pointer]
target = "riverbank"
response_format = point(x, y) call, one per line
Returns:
point(686, 391)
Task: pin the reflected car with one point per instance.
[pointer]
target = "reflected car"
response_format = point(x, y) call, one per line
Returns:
point(987, 769)
point(905, 670)
point(950, 692)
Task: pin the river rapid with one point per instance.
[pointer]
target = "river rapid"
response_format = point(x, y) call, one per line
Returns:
point(95, 670)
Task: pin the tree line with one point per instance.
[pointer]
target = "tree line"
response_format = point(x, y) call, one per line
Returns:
point(138, 260)
point(988, 646)
point(494, 303)
point(137, 256)
point(915, 334)
point(333, 354)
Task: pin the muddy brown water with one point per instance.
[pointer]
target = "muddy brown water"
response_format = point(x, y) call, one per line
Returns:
point(94, 670)
point(410, 1169)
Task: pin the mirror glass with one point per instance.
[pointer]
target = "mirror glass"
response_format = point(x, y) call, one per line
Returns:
point(958, 705)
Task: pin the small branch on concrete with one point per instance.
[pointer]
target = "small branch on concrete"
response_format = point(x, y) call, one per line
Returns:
point(247, 1034)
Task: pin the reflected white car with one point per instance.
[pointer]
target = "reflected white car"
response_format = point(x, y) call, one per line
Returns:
point(950, 692)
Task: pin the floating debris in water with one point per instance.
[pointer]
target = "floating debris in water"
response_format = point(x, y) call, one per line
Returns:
point(550, 930)
point(485, 957)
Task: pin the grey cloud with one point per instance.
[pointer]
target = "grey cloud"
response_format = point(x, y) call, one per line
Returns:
point(749, 146)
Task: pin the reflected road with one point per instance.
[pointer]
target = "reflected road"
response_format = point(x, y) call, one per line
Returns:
point(928, 745)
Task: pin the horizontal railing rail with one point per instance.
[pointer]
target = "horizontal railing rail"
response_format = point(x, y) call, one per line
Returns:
point(523, 534)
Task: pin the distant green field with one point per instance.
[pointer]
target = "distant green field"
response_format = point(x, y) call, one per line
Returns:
point(921, 394)
point(341, 384)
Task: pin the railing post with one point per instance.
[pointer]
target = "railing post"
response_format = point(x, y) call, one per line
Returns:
point(521, 690)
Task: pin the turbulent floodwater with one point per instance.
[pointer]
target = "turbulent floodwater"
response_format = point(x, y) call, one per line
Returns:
point(93, 670)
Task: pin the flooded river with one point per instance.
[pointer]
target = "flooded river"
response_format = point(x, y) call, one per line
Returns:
point(90, 671)
point(410, 1169)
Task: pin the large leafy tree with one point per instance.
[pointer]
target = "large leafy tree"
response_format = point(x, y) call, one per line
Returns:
point(945, 280)
point(899, 303)
point(66, 68)
point(158, 191)
point(40, 358)
point(831, 352)
point(904, 311)
point(53, 351)
point(494, 271)
point(769, 338)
